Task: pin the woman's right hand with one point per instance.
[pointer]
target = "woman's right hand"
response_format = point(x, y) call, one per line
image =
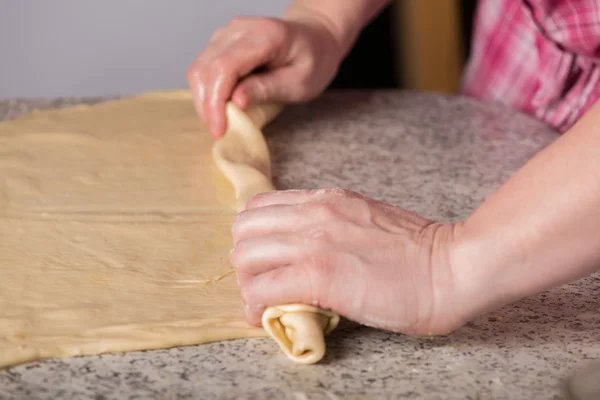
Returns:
point(255, 60)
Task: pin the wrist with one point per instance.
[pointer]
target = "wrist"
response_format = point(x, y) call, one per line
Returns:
point(478, 260)
point(341, 19)
point(342, 36)
point(451, 307)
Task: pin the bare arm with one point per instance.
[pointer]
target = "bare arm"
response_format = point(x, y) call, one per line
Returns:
point(344, 18)
point(541, 229)
point(335, 248)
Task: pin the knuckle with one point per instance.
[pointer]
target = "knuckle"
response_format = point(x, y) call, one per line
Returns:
point(325, 209)
point(319, 234)
point(346, 201)
point(332, 193)
point(196, 77)
point(216, 35)
point(236, 257)
point(344, 193)
point(192, 73)
point(239, 19)
point(237, 225)
point(270, 25)
point(221, 64)
point(246, 294)
point(338, 192)
point(256, 200)
point(254, 314)
point(258, 89)
point(309, 66)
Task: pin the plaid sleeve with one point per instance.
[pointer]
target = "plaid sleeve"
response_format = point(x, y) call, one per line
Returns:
point(573, 25)
point(538, 56)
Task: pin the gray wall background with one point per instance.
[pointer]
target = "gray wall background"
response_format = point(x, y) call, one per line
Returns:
point(112, 47)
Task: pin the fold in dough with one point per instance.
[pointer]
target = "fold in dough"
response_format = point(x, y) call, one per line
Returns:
point(299, 330)
point(115, 230)
point(243, 157)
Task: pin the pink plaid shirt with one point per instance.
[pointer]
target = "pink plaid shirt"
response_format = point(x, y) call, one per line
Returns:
point(539, 56)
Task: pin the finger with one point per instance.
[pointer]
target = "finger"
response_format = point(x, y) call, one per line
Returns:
point(271, 86)
point(313, 217)
point(288, 197)
point(238, 60)
point(198, 71)
point(199, 79)
point(242, 278)
point(196, 84)
point(252, 309)
point(219, 84)
point(272, 220)
point(282, 285)
point(225, 35)
point(261, 254)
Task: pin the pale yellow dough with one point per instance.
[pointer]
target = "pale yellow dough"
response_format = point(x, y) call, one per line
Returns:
point(115, 231)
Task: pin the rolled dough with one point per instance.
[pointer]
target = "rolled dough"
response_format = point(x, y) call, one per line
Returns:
point(115, 231)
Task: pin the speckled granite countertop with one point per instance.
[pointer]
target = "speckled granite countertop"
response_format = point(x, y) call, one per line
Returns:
point(436, 155)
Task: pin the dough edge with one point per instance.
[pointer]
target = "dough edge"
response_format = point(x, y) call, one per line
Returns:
point(149, 337)
point(310, 324)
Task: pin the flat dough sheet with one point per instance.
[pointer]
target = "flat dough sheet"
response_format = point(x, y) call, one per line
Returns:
point(115, 230)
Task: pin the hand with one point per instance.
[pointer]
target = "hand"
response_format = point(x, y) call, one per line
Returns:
point(366, 260)
point(297, 59)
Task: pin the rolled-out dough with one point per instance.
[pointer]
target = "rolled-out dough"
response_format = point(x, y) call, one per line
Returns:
point(115, 231)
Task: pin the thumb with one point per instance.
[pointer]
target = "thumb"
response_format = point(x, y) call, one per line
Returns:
point(271, 86)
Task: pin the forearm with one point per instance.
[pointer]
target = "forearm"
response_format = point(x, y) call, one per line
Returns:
point(541, 229)
point(344, 18)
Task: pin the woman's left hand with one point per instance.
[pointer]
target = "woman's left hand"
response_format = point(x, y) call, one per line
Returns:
point(366, 260)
